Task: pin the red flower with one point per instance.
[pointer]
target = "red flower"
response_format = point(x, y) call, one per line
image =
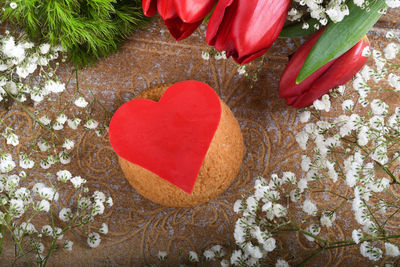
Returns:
point(334, 73)
point(246, 29)
point(182, 17)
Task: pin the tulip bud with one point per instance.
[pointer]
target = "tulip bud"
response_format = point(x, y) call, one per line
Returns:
point(182, 17)
point(246, 29)
point(334, 73)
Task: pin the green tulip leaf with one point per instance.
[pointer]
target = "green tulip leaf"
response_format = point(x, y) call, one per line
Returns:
point(339, 37)
point(296, 30)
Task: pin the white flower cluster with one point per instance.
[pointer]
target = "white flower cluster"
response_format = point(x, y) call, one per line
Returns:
point(23, 204)
point(26, 72)
point(20, 59)
point(261, 213)
point(324, 11)
point(360, 146)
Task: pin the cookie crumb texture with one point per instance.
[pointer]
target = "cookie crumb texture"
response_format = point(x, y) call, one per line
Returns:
point(220, 166)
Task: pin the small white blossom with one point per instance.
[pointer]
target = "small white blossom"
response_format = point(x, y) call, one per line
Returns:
point(68, 144)
point(281, 263)
point(65, 214)
point(43, 205)
point(356, 235)
point(81, 102)
point(91, 124)
point(77, 181)
point(193, 257)
point(44, 48)
point(305, 116)
point(309, 207)
point(54, 86)
point(68, 245)
point(209, 254)
point(391, 250)
point(93, 240)
point(103, 229)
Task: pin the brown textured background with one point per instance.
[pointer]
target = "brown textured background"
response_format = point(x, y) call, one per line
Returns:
point(138, 228)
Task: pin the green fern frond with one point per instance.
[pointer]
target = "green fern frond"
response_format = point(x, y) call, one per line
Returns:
point(87, 29)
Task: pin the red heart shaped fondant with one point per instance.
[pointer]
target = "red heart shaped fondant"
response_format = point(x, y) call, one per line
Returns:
point(171, 137)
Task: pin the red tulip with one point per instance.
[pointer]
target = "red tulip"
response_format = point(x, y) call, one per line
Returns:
point(182, 17)
point(246, 29)
point(334, 73)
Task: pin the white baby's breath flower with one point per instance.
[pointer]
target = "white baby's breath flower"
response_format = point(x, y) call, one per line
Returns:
point(63, 176)
point(269, 244)
point(25, 162)
point(314, 229)
point(391, 250)
point(328, 218)
point(281, 263)
point(323, 104)
point(379, 107)
point(77, 181)
point(305, 116)
point(98, 208)
point(12, 139)
point(43, 205)
point(16, 208)
point(193, 257)
point(220, 55)
point(65, 214)
point(65, 157)
point(45, 120)
point(81, 102)
point(302, 139)
point(205, 55)
point(209, 254)
point(44, 48)
point(162, 255)
point(236, 257)
point(238, 206)
point(93, 240)
point(391, 50)
point(68, 144)
point(48, 193)
point(74, 123)
point(356, 235)
point(103, 229)
point(97, 195)
point(91, 124)
point(13, 5)
point(68, 245)
point(348, 105)
point(109, 202)
point(309, 207)
point(54, 86)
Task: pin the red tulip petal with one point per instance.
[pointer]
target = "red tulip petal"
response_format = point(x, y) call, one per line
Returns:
point(257, 26)
point(342, 71)
point(246, 29)
point(180, 30)
point(190, 11)
point(250, 57)
point(287, 84)
point(149, 7)
point(216, 20)
point(166, 9)
point(291, 100)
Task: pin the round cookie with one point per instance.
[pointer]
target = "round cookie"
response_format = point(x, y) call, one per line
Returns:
point(220, 166)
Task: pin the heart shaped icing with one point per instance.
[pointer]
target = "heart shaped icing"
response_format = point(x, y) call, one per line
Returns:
point(170, 137)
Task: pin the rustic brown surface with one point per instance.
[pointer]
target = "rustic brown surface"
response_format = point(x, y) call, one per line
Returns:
point(140, 228)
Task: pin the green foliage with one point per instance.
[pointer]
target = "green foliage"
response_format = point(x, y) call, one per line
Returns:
point(87, 29)
point(339, 37)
